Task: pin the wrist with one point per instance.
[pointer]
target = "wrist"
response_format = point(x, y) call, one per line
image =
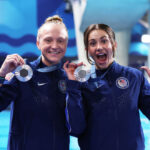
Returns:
point(71, 77)
point(2, 74)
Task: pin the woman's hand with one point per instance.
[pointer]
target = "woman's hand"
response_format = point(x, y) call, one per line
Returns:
point(146, 69)
point(70, 68)
point(10, 63)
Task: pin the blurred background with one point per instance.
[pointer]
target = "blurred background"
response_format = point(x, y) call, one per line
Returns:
point(130, 19)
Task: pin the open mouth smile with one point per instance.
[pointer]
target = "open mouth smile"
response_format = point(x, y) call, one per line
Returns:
point(101, 56)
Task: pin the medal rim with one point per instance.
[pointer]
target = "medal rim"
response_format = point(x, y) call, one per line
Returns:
point(28, 77)
point(88, 74)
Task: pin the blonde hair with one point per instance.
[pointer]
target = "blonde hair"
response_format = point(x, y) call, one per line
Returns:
point(54, 19)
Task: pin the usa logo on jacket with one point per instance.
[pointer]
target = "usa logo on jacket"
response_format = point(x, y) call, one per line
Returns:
point(122, 83)
point(62, 86)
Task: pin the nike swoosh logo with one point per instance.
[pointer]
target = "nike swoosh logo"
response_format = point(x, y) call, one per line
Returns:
point(41, 84)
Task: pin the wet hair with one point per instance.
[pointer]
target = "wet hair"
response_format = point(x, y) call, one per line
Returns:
point(103, 27)
point(54, 19)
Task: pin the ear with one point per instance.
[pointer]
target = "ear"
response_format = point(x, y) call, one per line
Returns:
point(115, 45)
point(38, 45)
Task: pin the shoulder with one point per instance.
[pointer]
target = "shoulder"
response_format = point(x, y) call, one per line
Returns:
point(128, 71)
point(34, 63)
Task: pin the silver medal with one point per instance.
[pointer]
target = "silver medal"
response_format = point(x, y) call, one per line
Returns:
point(23, 73)
point(82, 74)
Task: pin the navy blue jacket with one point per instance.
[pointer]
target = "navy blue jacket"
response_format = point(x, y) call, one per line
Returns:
point(38, 111)
point(104, 112)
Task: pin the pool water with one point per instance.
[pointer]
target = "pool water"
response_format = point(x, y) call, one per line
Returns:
point(4, 127)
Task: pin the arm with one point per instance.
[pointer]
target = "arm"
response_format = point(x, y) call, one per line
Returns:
point(75, 111)
point(8, 93)
point(144, 98)
point(8, 90)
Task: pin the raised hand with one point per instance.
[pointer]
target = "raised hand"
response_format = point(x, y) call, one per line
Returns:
point(146, 69)
point(10, 63)
point(70, 68)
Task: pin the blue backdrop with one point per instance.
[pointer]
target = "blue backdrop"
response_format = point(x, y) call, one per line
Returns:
point(20, 20)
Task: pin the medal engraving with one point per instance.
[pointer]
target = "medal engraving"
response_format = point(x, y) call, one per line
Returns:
point(82, 74)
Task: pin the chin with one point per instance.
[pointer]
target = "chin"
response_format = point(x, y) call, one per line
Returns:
point(102, 66)
point(55, 62)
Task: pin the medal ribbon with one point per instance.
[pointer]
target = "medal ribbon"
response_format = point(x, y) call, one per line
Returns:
point(49, 68)
point(93, 72)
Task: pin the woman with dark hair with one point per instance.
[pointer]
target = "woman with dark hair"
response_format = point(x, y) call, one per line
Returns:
point(104, 111)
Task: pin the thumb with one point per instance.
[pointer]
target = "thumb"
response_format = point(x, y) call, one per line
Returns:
point(65, 65)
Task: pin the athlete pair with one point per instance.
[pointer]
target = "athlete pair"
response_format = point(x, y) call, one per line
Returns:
point(103, 112)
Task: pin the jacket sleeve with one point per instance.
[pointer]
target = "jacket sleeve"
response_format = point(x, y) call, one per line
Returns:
point(75, 112)
point(8, 93)
point(144, 101)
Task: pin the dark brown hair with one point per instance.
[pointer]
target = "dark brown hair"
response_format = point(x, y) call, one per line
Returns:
point(103, 27)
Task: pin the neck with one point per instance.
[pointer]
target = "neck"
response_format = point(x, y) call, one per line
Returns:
point(105, 68)
point(47, 62)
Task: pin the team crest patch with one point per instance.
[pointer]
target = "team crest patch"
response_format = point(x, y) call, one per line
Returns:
point(62, 86)
point(122, 83)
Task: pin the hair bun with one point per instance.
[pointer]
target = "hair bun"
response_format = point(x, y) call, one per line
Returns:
point(55, 18)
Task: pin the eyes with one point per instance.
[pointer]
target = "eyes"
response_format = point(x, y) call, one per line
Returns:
point(93, 42)
point(59, 40)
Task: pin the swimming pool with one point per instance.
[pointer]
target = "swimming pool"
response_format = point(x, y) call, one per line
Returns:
point(4, 127)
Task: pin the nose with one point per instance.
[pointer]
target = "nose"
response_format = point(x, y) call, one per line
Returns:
point(54, 45)
point(99, 46)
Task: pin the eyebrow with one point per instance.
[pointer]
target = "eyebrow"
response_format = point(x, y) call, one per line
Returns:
point(100, 38)
point(103, 37)
point(47, 37)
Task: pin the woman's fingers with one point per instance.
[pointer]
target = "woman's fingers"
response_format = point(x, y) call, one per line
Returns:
point(146, 69)
point(70, 69)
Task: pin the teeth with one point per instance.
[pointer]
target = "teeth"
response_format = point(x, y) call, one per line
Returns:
point(101, 54)
point(53, 52)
